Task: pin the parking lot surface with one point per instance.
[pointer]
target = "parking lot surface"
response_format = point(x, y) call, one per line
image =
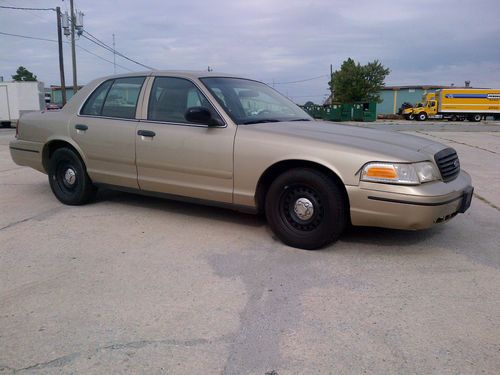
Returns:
point(139, 285)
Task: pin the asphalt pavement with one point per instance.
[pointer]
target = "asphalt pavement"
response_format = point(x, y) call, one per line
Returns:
point(139, 285)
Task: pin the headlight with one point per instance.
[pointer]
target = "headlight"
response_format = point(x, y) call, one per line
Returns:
point(398, 173)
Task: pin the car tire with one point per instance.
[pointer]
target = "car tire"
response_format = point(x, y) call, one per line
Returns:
point(306, 209)
point(422, 116)
point(475, 118)
point(411, 117)
point(68, 178)
point(453, 118)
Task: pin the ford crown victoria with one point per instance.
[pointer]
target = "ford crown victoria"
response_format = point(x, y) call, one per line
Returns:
point(235, 142)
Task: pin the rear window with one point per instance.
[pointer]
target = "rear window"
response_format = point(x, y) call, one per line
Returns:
point(115, 98)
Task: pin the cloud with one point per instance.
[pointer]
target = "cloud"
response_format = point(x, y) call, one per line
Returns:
point(424, 42)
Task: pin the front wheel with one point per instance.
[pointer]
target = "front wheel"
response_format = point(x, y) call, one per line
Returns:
point(68, 178)
point(422, 116)
point(306, 209)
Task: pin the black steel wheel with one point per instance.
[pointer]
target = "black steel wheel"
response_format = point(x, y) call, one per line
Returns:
point(68, 178)
point(306, 209)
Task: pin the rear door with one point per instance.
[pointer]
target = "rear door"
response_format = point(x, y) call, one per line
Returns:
point(181, 158)
point(105, 130)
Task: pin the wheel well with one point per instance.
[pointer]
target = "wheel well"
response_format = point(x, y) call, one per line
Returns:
point(49, 149)
point(276, 169)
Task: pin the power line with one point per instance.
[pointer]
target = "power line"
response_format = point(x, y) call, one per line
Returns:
point(302, 80)
point(55, 41)
point(104, 59)
point(110, 49)
point(95, 41)
point(101, 44)
point(22, 8)
point(28, 37)
point(307, 96)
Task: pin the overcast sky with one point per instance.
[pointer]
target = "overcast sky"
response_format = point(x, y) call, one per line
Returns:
point(422, 42)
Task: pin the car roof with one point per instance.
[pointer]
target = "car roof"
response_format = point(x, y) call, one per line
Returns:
point(173, 73)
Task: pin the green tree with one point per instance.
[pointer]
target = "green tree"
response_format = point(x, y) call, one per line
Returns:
point(23, 74)
point(358, 83)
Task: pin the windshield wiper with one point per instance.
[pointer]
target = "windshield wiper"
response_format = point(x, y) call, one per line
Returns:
point(260, 121)
point(301, 119)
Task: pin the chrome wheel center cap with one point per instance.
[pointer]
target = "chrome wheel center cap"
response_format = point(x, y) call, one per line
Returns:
point(70, 176)
point(303, 208)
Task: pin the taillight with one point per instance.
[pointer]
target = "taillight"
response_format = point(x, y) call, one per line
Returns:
point(17, 128)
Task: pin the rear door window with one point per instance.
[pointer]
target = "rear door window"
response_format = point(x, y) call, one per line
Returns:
point(93, 106)
point(115, 98)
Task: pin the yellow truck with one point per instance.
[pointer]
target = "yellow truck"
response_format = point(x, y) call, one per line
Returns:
point(460, 104)
point(408, 112)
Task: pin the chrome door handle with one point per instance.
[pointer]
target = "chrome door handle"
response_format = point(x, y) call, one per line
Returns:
point(146, 133)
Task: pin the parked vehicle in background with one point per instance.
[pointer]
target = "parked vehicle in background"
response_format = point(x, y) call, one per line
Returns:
point(52, 107)
point(460, 104)
point(408, 113)
point(235, 142)
point(17, 98)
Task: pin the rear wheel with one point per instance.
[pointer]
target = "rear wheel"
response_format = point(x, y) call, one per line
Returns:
point(475, 118)
point(68, 178)
point(306, 209)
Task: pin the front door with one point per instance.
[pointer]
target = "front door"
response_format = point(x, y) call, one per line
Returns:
point(177, 157)
point(105, 130)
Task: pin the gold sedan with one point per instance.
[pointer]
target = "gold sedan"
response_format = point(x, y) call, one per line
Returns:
point(225, 140)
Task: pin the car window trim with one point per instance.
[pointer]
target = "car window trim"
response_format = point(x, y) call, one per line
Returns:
point(79, 113)
point(110, 118)
point(106, 96)
point(191, 124)
point(149, 96)
point(92, 93)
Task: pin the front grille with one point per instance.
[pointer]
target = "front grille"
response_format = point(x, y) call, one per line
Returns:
point(448, 164)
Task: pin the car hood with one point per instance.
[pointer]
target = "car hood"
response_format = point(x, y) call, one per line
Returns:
point(393, 144)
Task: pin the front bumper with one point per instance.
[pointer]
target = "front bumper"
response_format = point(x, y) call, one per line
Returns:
point(409, 207)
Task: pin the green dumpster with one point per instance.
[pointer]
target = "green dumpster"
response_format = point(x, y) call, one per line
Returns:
point(345, 112)
point(364, 112)
point(333, 112)
point(322, 112)
point(370, 112)
point(357, 111)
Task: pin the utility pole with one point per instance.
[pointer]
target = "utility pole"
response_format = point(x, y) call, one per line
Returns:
point(331, 87)
point(73, 50)
point(114, 55)
point(61, 61)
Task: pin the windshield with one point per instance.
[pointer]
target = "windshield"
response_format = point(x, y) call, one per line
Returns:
point(251, 102)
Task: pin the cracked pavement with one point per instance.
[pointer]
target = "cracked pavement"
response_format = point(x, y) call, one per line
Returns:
point(131, 285)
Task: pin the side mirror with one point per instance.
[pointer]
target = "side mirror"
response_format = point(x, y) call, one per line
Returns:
point(201, 115)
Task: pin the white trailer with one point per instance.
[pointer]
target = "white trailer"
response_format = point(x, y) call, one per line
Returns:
point(17, 98)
